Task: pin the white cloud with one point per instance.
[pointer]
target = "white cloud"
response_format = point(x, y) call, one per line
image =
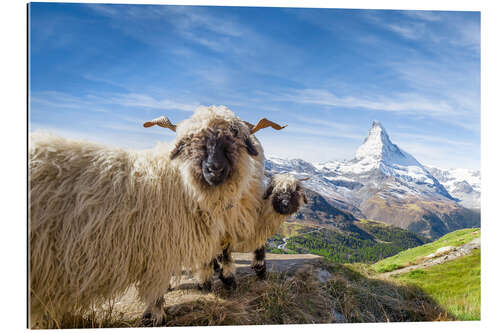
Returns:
point(403, 103)
point(444, 28)
point(58, 100)
point(310, 149)
point(441, 155)
point(117, 135)
point(424, 15)
point(328, 129)
point(94, 102)
point(431, 139)
point(190, 22)
point(146, 101)
point(408, 31)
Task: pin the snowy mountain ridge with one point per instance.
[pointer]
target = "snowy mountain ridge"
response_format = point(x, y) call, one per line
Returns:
point(382, 172)
point(463, 184)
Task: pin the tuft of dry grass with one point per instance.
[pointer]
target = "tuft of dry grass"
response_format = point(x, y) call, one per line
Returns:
point(281, 299)
point(353, 291)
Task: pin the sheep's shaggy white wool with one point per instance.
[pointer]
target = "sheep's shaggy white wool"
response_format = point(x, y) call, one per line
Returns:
point(103, 219)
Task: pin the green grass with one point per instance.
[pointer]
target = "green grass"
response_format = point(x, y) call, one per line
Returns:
point(454, 285)
point(413, 255)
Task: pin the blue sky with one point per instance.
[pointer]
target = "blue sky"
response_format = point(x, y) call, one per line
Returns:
point(99, 71)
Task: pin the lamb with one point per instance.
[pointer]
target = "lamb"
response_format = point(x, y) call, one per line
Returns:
point(283, 197)
point(104, 219)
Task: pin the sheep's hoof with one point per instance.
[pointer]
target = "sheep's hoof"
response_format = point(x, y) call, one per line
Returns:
point(148, 320)
point(205, 286)
point(229, 282)
point(260, 271)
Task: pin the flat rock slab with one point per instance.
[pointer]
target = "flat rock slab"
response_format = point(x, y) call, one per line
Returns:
point(275, 262)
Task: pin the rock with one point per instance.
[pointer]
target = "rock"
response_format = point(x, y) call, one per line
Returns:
point(323, 275)
point(444, 249)
point(338, 317)
point(473, 244)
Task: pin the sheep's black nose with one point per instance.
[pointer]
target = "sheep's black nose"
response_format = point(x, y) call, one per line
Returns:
point(214, 168)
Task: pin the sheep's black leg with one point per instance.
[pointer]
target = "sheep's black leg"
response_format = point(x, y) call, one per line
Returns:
point(206, 275)
point(227, 268)
point(155, 314)
point(259, 262)
point(215, 263)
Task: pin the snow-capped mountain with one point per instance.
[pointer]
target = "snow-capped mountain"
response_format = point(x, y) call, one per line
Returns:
point(463, 184)
point(379, 156)
point(383, 182)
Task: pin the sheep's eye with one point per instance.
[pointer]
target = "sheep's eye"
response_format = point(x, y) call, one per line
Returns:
point(234, 131)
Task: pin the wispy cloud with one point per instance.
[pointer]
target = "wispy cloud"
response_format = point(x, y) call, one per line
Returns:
point(325, 128)
point(145, 101)
point(94, 102)
point(306, 148)
point(431, 139)
point(425, 15)
point(433, 154)
point(190, 22)
point(405, 103)
point(413, 31)
point(431, 27)
point(111, 134)
point(60, 100)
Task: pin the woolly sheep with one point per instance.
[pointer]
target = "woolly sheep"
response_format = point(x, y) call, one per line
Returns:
point(283, 197)
point(104, 219)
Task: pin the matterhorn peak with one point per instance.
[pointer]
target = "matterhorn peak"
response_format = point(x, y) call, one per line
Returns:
point(378, 151)
point(376, 123)
point(378, 132)
point(377, 144)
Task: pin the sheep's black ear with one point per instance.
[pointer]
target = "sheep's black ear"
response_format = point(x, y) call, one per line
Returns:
point(177, 150)
point(268, 191)
point(250, 147)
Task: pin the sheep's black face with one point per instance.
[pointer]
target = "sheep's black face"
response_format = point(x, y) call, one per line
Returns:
point(219, 159)
point(213, 154)
point(286, 202)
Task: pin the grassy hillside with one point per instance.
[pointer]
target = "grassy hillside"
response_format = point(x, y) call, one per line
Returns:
point(455, 285)
point(350, 294)
point(363, 241)
point(414, 255)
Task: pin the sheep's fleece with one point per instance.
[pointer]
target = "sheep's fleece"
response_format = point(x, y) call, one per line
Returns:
point(103, 219)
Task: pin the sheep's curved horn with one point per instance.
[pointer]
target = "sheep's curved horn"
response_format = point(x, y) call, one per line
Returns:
point(304, 179)
point(162, 122)
point(263, 123)
point(250, 125)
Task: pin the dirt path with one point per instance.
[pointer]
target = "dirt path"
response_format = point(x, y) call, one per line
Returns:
point(439, 258)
